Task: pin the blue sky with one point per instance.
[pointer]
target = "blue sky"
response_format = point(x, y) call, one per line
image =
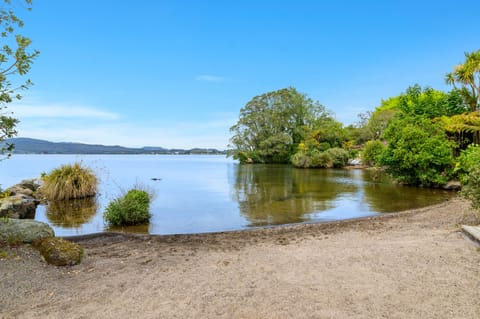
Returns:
point(176, 73)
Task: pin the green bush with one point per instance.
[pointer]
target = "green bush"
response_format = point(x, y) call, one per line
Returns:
point(418, 152)
point(313, 159)
point(467, 161)
point(240, 156)
point(471, 186)
point(323, 146)
point(247, 157)
point(69, 182)
point(131, 209)
point(338, 156)
point(301, 160)
point(372, 151)
point(321, 160)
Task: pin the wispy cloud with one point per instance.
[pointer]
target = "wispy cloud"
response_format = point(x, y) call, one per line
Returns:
point(209, 78)
point(62, 111)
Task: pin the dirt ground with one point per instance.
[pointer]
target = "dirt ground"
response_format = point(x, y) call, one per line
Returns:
point(415, 264)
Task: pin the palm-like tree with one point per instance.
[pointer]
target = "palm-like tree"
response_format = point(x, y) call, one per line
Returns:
point(468, 76)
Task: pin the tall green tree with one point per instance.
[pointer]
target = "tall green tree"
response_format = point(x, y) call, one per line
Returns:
point(415, 101)
point(465, 78)
point(418, 101)
point(15, 62)
point(272, 125)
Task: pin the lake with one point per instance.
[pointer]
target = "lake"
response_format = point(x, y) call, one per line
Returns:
point(208, 193)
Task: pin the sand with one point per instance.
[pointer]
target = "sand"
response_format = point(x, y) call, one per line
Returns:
point(414, 264)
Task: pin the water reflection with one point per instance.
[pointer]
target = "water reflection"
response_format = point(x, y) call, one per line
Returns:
point(383, 196)
point(137, 229)
point(280, 194)
point(71, 213)
point(211, 193)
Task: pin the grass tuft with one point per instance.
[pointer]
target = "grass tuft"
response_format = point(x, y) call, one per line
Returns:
point(69, 182)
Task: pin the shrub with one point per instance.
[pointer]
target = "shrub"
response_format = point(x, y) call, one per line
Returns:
point(301, 160)
point(467, 161)
point(338, 156)
point(418, 152)
point(321, 159)
point(131, 209)
point(241, 156)
point(313, 159)
point(372, 151)
point(471, 186)
point(69, 182)
point(323, 146)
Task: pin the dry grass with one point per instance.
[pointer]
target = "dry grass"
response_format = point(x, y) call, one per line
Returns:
point(69, 182)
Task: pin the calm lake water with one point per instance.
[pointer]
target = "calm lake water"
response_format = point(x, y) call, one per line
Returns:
point(212, 193)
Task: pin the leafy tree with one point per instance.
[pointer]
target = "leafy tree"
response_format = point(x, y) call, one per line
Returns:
point(312, 159)
point(468, 161)
point(464, 128)
point(429, 102)
point(328, 130)
point(379, 121)
point(467, 75)
point(372, 152)
point(415, 101)
point(339, 156)
point(15, 62)
point(272, 125)
point(471, 187)
point(418, 151)
point(418, 101)
point(360, 132)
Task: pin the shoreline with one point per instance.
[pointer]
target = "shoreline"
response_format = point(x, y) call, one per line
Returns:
point(273, 229)
point(411, 264)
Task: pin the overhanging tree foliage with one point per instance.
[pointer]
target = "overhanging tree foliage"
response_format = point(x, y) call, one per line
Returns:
point(272, 125)
point(15, 62)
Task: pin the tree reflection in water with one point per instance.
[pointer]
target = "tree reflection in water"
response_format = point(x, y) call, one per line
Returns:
point(385, 196)
point(280, 194)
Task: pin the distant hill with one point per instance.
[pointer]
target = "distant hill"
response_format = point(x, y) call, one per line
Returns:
point(34, 146)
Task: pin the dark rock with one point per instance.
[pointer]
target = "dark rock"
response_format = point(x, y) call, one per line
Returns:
point(14, 231)
point(453, 186)
point(60, 252)
point(18, 206)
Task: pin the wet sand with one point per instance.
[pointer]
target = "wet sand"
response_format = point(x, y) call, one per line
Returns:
point(414, 264)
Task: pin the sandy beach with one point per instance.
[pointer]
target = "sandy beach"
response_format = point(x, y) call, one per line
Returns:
point(414, 264)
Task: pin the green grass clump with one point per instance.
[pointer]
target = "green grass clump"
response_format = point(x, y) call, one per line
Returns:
point(131, 209)
point(69, 182)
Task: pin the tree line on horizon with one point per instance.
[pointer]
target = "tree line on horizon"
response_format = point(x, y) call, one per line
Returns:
point(421, 137)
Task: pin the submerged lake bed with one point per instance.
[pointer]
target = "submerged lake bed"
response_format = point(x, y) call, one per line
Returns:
point(208, 193)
